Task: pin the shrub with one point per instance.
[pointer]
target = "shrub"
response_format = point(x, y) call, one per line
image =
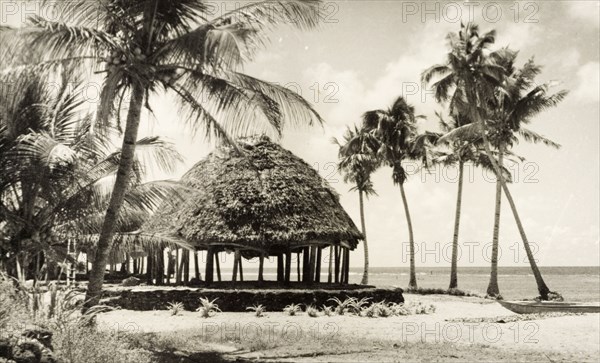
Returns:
point(258, 310)
point(208, 307)
point(175, 308)
point(292, 309)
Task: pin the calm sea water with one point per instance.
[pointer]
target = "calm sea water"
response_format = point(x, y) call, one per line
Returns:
point(574, 283)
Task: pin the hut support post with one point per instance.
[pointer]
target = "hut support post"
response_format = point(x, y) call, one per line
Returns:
point(208, 274)
point(196, 266)
point(280, 277)
point(337, 264)
point(241, 269)
point(298, 265)
point(178, 268)
point(318, 265)
point(347, 265)
point(288, 266)
point(160, 267)
point(261, 265)
point(312, 263)
point(149, 269)
point(235, 265)
point(218, 263)
point(330, 269)
point(343, 271)
point(305, 264)
point(186, 266)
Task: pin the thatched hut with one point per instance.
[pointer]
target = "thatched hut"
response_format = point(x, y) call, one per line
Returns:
point(261, 201)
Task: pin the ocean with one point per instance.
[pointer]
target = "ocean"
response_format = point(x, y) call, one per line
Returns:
point(575, 283)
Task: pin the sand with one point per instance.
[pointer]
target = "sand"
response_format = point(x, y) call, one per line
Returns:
point(573, 335)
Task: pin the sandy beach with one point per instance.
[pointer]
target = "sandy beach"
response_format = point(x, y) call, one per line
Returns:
point(458, 324)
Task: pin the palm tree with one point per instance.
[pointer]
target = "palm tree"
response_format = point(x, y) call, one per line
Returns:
point(357, 162)
point(150, 46)
point(456, 152)
point(519, 101)
point(394, 131)
point(53, 175)
point(469, 80)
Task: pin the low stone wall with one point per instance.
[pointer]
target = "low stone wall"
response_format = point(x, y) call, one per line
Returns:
point(239, 300)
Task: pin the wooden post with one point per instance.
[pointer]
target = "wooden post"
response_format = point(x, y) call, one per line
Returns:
point(235, 265)
point(318, 265)
point(136, 269)
point(288, 266)
point(186, 266)
point(178, 269)
point(208, 273)
point(218, 263)
point(330, 269)
point(196, 266)
point(343, 258)
point(312, 263)
point(298, 265)
point(160, 267)
point(337, 264)
point(346, 265)
point(280, 277)
point(305, 264)
point(241, 269)
point(261, 264)
point(149, 269)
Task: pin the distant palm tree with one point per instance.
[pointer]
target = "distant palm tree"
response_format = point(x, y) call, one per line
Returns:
point(357, 161)
point(149, 46)
point(456, 152)
point(470, 80)
point(519, 101)
point(394, 131)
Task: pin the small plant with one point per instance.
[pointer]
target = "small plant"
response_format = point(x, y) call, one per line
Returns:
point(259, 310)
point(355, 306)
point(420, 308)
point(399, 309)
point(292, 309)
point(327, 310)
point(175, 308)
point(341, 306)
point(312, 311)
point(208, 307)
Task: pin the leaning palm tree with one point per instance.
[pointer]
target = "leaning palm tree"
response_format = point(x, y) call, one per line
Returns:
point(394, 131)
point(357, 161)
point(151, 46)
point(456, 152)
point(469, 81)
point(519, 101)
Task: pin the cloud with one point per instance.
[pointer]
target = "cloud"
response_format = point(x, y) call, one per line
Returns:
point(588, 77)
point(588, 11)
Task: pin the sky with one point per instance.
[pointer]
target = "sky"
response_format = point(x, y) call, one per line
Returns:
point(367, 53)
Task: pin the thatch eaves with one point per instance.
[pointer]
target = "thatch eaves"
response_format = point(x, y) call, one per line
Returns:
point(265, 198)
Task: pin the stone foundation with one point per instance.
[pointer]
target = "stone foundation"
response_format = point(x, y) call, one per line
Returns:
point(239, 300)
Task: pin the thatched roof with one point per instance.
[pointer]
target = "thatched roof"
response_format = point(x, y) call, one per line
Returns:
point(266, 198)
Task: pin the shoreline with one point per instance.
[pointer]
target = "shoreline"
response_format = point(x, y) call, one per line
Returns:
point(454, 324)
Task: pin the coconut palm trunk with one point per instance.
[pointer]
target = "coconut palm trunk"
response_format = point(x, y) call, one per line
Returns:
point(454, 264)
point(96, 277)
point(541, 285)
point(493, 290)
point(413, 276)
point(365, 278)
